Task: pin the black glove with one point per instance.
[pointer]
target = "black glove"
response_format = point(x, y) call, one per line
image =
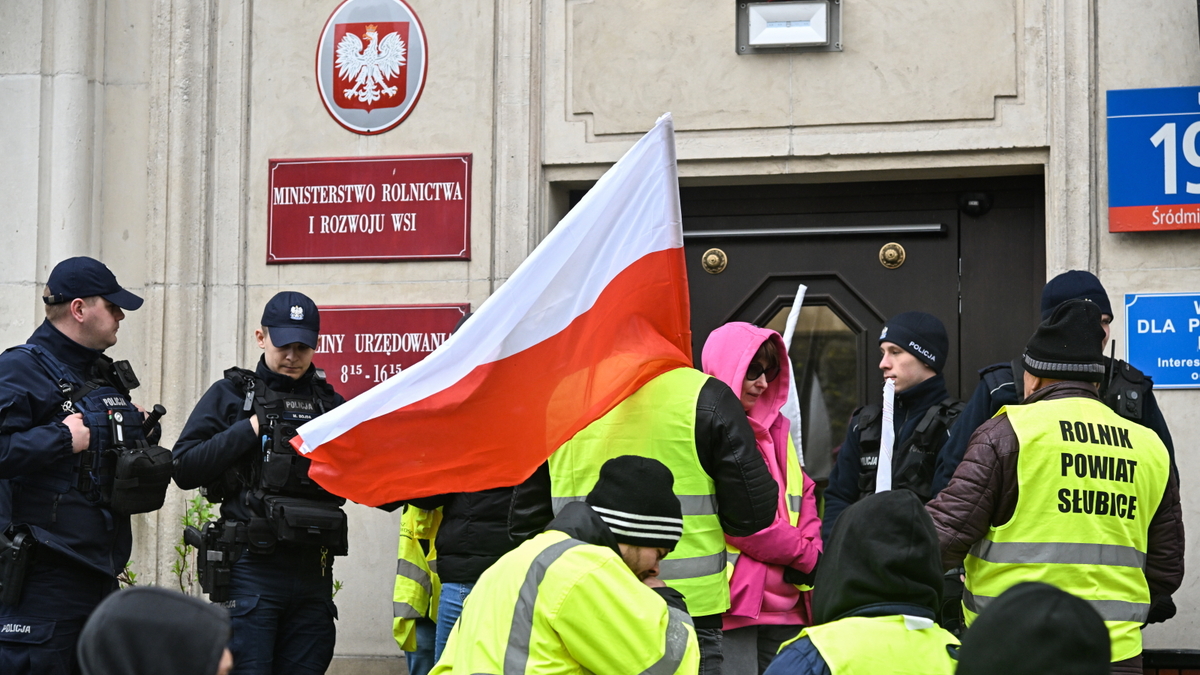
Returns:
point(1161, 609)
point(792, 575)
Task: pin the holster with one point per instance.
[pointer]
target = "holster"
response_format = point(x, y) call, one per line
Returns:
point(16, 557)
point(218, 546)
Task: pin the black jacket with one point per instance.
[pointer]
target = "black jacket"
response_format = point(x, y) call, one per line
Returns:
point(579, 521)
point(844, 488)
point(218, 434)
point(473, 534)
point(997, 389)
point(37, 464)
point(728, 452)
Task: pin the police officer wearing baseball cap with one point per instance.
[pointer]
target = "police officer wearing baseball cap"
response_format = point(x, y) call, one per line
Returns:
point(60, 530)
point(914, 348)
point(279, 531)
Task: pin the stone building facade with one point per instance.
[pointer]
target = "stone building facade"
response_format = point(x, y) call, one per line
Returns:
point(139, 132)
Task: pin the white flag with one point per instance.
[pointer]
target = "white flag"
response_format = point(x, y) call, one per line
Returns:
point(887, 438)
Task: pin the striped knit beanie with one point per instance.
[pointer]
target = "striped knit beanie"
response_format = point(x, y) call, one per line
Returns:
point(635, 497)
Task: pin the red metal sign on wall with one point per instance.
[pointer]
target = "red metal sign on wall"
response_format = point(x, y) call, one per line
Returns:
point(363, 345)
point(369, 209)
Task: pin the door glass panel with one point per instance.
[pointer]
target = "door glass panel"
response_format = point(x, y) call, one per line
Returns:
point(824, 353)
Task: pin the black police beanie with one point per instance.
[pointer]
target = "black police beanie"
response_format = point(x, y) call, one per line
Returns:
point(635, 497)
point(1074, 285)
point(148, 630)
point(1067, 346)
point(1035, 629)
point(920, 334)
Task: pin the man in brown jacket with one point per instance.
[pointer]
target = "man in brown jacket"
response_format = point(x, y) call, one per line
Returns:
point(1062, 490)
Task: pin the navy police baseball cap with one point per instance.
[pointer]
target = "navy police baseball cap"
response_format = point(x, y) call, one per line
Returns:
point(85, 277)
point(292, 317)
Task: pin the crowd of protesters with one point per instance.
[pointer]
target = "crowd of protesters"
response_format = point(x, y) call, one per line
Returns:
point(994, 525)
point(1036, 528)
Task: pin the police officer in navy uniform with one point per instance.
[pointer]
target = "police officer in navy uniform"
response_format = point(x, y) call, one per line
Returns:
point(279, 530)
point(62, 408)
point(914, 348)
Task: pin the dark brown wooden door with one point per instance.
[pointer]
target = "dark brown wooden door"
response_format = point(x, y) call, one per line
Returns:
point(829, 237)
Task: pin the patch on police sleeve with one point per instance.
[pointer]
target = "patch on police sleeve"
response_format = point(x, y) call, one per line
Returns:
point(25, 631)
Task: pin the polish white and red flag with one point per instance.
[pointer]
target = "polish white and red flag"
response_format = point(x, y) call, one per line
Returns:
point(597, 310)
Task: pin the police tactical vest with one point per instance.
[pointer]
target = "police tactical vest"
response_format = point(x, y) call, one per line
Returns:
point(296, 509)
point(901, 645)
point(913, 461)
point(121, 469)
point(658, 421)
point(1089, 482)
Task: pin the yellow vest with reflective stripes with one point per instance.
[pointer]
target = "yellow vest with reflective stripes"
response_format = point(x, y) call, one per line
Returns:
point(659, 421)
point(794, 496)
point(1089, 482)
point(897, 645)
point(417, 587)
point(559, 605)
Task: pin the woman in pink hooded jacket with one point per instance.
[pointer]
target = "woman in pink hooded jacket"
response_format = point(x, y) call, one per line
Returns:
point(767, 607)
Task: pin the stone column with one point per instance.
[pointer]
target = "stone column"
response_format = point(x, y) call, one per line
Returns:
point(1070, 175)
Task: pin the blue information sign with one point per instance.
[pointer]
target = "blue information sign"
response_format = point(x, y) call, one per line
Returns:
point(1153, 159)
point(1163, 334)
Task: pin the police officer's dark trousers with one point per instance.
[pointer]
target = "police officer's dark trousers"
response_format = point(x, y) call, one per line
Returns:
point(282, 612)
point(38, 636)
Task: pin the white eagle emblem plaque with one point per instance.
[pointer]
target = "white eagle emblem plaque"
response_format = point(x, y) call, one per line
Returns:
point(371, 64)
point(297, 313)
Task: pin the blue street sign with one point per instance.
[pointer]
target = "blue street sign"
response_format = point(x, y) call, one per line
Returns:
point(1153, 159)
point(1163, 337)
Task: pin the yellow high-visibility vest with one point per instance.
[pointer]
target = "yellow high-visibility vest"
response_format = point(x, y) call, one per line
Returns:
point(559, 605)
point(415, 593)
point(898, 645)
point(1089, 483)
point(658, 421)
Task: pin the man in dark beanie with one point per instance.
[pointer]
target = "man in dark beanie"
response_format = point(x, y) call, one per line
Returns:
point(1035, 629)
point(876, 596)
point(584, 596)
point(153, 631)
point(1124, 388)
point(914, 349)
point(1064, 491)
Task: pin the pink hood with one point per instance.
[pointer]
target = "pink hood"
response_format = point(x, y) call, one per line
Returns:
point(758, 593)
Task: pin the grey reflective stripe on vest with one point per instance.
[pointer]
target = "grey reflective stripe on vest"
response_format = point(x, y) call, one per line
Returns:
point(1109, 610)
point(403, 610)
point(692, 505)
point(676, 644)
point(408, 570)
point(519, 636)
point(559, 502)
point(690, 568)
point(1064, 554)
point(730, 557)
point(794, 502)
